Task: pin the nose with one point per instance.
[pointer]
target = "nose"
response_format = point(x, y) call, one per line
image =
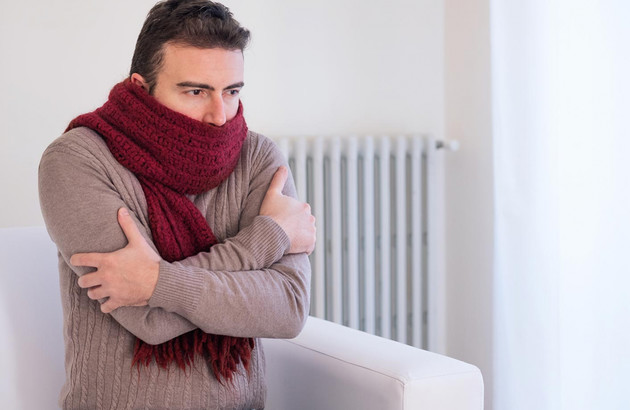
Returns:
point(215, 112)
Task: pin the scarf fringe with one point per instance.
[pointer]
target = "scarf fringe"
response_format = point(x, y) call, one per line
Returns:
point(223, 353)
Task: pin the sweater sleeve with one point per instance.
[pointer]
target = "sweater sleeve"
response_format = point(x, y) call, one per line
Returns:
point(79, 198)
point(244, 286)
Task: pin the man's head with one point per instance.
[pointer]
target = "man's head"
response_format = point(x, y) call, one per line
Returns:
point(195, 23)
point(189, 56)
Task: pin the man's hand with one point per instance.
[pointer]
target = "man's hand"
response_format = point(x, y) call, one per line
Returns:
point(127, 276)
point(293, 216)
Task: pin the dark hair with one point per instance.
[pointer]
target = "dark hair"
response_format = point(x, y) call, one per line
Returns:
point(197, 23)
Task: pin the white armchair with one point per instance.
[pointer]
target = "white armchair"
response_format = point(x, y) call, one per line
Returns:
point(327, 367)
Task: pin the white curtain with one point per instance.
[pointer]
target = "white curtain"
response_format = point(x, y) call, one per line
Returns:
point(561, 129)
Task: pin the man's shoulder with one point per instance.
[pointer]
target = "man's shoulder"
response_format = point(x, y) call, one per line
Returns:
point(79, 141)
point(257, 141)
point(79, 147)
point(254, 138)
point(258, 147)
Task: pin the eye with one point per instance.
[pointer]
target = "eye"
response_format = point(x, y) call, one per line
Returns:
point(234, 91)
point(196, 91)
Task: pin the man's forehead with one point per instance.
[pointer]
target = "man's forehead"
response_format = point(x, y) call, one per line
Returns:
point(202, 65)
point(180, 48)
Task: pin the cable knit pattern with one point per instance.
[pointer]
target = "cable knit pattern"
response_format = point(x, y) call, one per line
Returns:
point(173, 155)
point(242, 286)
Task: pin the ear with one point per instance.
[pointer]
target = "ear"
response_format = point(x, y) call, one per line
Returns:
point(137, 79)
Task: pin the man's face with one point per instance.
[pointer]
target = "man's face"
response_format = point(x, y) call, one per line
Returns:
point(203, 84)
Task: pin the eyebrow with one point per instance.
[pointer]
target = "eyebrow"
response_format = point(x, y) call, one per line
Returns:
point(193, 84)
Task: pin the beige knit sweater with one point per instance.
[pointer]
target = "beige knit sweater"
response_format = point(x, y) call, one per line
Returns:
point(244, 286)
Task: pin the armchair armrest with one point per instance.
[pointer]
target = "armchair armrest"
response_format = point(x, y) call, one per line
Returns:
point(330, 366)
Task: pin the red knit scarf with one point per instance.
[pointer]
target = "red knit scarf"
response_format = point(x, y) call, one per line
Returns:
point(173, 155)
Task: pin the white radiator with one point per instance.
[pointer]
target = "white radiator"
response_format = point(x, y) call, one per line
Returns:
point(373, 201)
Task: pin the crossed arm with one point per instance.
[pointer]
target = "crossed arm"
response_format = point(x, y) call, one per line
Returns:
point(273, 289)
point(128, 276)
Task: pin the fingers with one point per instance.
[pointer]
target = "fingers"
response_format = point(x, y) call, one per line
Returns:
point(129, 226)
point(86, 259)
point(97, 293)
point(90, 280)
point(278, 180)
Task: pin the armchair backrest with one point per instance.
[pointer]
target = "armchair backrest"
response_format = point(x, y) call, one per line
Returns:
point(31, 340)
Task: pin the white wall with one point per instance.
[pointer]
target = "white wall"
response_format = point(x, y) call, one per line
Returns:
point(325, 67)
point(468, 186)
point(57, 62)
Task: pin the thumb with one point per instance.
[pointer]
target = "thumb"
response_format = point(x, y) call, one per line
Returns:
point(278, 180)
point(129, 226)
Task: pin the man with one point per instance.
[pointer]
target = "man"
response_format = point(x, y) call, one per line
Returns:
point(177, 246)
